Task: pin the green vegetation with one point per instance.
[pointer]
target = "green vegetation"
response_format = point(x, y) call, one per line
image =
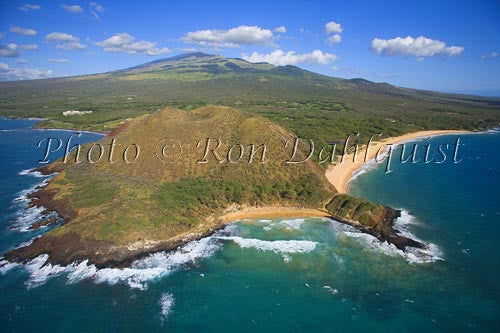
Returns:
point(351, 208)
point(190, 199)
point(120, 202)
point(308, 104)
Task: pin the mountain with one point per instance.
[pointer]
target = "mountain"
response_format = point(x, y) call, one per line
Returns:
point(306, 103)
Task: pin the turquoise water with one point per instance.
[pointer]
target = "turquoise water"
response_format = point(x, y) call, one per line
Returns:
point(283, 274)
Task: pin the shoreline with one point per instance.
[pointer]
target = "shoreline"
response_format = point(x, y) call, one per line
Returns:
point(340, 175)
point(271, 212)
point(122, 256)
point(104, 133)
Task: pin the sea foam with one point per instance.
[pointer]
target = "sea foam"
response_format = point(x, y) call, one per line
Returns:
point(137, 275)
point(292, 224)
point(283, 247)
point(167, 302)
point(430, 253)
point(29, 215)
point(366, 167)
point(6, 266)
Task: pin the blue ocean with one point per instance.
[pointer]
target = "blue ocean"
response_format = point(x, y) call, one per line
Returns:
point(313, 275)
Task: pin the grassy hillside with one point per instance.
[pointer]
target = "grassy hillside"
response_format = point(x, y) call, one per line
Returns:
point(308, 104)
point(114, 205)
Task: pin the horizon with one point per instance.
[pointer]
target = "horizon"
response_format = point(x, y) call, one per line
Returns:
point(67, 39)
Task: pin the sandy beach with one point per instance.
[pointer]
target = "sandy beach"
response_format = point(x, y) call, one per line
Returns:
point(340, 174)
point(271, 212)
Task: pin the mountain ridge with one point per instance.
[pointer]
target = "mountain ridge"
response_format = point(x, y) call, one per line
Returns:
point(309, 104)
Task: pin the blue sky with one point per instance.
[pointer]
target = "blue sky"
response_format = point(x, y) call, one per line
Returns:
point(453, 46)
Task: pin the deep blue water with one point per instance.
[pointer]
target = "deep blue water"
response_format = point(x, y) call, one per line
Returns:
point(283, 274)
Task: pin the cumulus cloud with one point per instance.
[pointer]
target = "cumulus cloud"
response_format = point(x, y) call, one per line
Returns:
point(10, 50)
point(126, 43)
point(419, 47)
point(65, 41)
point(23, 31)
point(334, 39)
point(75, 9)
point(490, 55)
point(59, 61)
point(242, 35)
point(280, 30)
point(30, 47)
point(22, 61)
point(281, 58)
point(7, 73)
point(27, 6)
point(333, 27)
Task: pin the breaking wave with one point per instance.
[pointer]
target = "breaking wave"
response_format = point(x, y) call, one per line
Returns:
point(282, 247)
point(33, 172)
point(430, 253)
point(160, 264)
point(155, 265)
point(137, 275)
point(29, 215)
point(6, 266)
point(366, 167)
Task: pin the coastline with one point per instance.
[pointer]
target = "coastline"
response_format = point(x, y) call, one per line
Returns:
point(104, 133)
point(122, 256)
point(339, 175)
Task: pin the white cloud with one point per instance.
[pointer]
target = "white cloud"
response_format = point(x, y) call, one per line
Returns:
point(10, 50)
point(490, 55)
point(30, 47)
point(280, 30)
point(333, 27)
point(23, 31)
point(75, 9)
point(7, 73)
point(97, 7)
point(126, 43)
point(419, 47)
point(242, 35)
point(22, 61)
point(334, 39)
point(67, 41)
point(59, 61)
point(280, 58)
point(26, 7)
